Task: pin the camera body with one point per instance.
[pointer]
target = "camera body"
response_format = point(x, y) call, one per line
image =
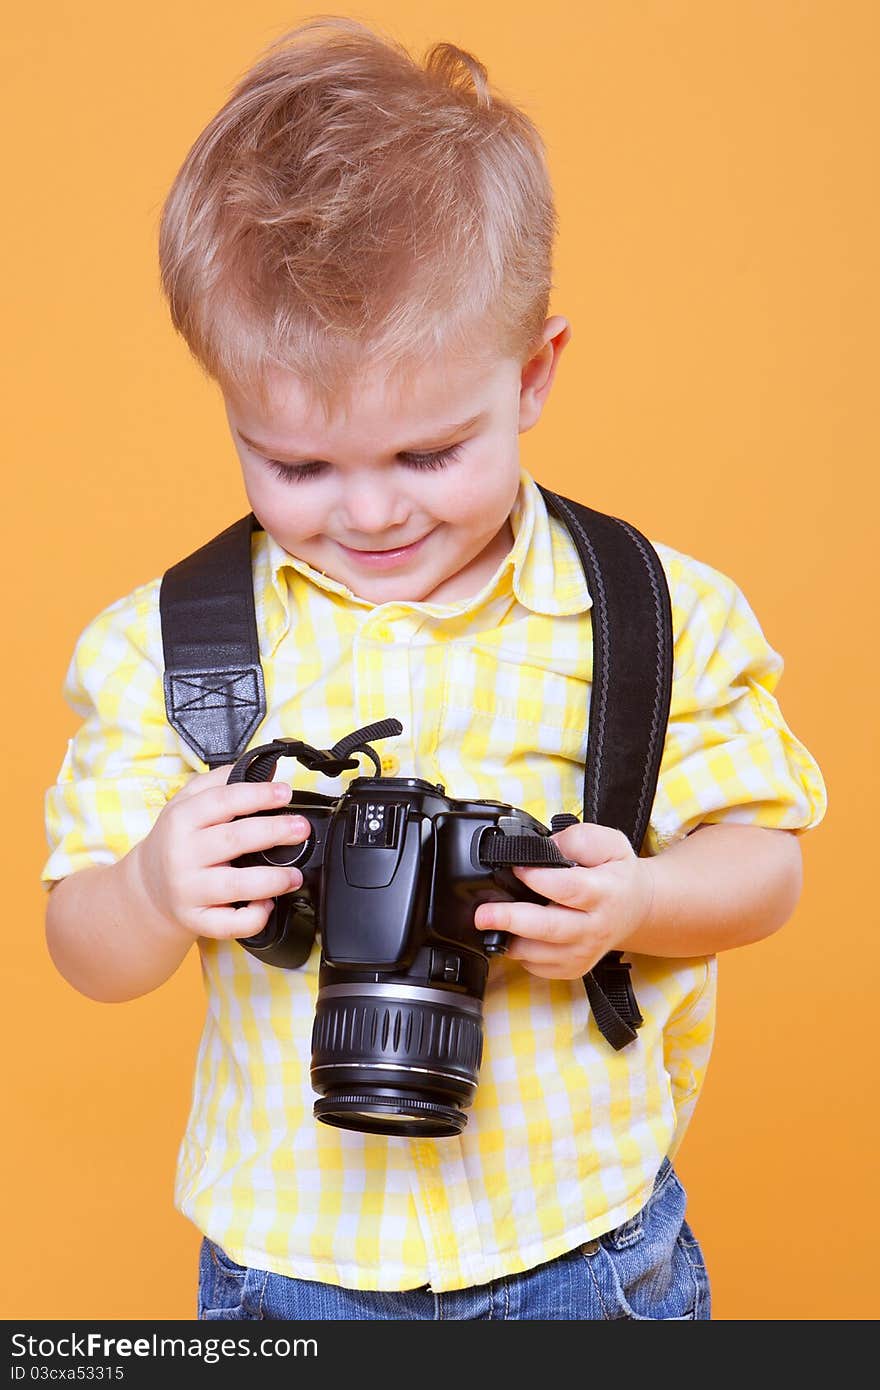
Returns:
point(393, 872)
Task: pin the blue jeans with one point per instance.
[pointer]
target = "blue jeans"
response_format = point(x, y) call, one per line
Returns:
point(650, 1267)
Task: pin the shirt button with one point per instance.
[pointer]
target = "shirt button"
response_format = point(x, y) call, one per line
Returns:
point(383, 633)
point(390, 764)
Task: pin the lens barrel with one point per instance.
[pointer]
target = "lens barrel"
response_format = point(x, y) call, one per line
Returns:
point(395, 1058)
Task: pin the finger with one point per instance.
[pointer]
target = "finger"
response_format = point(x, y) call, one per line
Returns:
point(219, 844)
point(557, 925)
point(571, 887)
point(220, 887)
point(571, 961)
point(558, 971)
point(531, 953)
point(215, 777)
point(227, 923)
point(218, 805)
point(588, 844)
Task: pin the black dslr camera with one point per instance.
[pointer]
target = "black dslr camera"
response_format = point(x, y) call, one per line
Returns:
point(393, 872)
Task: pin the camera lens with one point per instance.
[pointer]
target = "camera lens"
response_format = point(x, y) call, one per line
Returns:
point(393, 1058)
point(387, 1111)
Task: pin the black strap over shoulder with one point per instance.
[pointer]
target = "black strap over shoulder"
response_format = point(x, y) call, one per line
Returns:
point(215, 697)
point(214, 693)
point(630, 695)
point(632, 666)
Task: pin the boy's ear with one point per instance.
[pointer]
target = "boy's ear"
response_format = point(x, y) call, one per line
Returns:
point(539, 371)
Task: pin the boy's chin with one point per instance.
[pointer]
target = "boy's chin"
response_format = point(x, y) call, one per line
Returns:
point(418, 585)
point(388, 588)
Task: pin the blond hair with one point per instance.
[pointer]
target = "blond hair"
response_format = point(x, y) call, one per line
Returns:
point(348, 207)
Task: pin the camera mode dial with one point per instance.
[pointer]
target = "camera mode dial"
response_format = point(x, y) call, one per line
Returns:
point(288, 856)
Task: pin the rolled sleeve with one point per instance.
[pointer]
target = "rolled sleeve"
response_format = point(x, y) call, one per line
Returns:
point(125, 762)
point(729, 755)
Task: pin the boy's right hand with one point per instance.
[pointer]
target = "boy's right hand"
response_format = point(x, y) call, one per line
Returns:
point(185, 863)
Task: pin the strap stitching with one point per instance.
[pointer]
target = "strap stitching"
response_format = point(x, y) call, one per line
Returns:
point(221, 684)
point(658, 686)
point(604, 667)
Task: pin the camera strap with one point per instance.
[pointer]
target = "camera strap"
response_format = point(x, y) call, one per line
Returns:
point(214, 692)
point(215, 697)
point(630, 694)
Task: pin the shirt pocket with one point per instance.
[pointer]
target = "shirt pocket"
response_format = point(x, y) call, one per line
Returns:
point(514, 731)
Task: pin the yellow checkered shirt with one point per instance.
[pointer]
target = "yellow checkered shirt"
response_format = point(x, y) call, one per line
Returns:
point(565, 1135)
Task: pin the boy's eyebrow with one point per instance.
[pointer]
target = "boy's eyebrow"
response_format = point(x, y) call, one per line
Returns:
point(441, 437)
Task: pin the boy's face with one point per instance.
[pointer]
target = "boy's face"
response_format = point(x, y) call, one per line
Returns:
point(407, 496)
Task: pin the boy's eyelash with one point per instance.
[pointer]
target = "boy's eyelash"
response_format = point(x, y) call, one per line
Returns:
point(294, 473)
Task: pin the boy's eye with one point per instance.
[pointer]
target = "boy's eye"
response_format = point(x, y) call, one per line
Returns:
point(295, 473)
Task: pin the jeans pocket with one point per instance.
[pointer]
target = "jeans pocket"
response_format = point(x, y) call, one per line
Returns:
point(222, 1284)
point(651, 1267)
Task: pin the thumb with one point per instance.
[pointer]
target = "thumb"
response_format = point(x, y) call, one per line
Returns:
point(589, 844)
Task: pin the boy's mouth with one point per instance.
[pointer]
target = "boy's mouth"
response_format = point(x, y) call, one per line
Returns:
point(385, 559)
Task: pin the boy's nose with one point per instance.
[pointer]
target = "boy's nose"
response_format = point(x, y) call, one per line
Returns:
point(371, 510)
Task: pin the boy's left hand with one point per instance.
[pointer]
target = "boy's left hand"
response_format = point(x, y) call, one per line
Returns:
point(592, 908)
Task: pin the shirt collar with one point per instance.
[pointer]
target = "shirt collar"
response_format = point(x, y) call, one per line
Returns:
point(548, 576)
point(542, 569)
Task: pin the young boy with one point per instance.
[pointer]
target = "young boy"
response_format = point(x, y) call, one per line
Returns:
point(358, 250)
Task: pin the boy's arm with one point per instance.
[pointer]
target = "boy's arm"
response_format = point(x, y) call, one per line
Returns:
point(132, 890)
point(120, 930)
point(105, 937)
point(721, 886)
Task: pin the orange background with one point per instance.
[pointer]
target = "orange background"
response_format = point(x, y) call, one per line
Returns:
point(715, 168)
